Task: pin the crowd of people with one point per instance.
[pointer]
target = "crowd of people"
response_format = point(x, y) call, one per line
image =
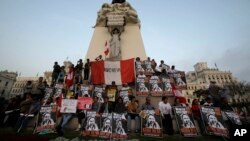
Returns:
point(18, 112)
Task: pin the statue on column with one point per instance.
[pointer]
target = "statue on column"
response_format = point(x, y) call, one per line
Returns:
point(115, 44)
point(118, 1)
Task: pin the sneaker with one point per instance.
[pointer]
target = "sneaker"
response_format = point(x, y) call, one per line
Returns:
point(78, 129)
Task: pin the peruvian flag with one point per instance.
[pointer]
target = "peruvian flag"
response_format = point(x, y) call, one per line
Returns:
point(106, 50)
point(104, 72)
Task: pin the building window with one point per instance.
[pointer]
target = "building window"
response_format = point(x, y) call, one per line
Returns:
point(187, 93)
point(6, 84)
point(188, 100)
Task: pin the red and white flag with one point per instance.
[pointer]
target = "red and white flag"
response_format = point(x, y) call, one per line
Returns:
point(106, 50)
point(104, 72)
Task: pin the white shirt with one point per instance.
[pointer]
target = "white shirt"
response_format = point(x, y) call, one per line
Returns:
point(165, 108)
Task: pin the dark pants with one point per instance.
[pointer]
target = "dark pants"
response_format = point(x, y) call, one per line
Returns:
point(80, 116)
point(201, 125)
point(86, 74)
point(168, 124)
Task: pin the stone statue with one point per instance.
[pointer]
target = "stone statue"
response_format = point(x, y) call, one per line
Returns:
point(115, 44)
point(118, 1)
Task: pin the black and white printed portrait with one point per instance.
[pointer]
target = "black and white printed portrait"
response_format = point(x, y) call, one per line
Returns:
point(119, 129)
point(152, 123)
point(47, 120)
point(107, 125)
point(139, 67)
point(149, 68)
point(91, 124)
point(186, 121)
point(85, 93)
point(168, 86)
point(236, 120)
point(126, 100)
point(179, 81)
point(156, 88)
point(99, 97)
point(213, 122)
point(142, 88)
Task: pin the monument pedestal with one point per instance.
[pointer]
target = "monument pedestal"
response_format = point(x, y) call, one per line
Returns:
point(131, 43)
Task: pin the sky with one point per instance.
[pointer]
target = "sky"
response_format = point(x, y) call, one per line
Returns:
point(36, 33)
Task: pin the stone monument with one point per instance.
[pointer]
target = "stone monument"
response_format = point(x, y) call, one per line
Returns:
point(118, 24)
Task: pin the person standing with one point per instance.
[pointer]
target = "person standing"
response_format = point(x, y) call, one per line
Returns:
point(197, 115)
point(56, 71)
point(166, 114)
point(86, 70)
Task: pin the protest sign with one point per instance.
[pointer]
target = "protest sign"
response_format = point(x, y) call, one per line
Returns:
point(185, 121)
point(46, 122)
point(167, 87)
point(155, 86)
point(151, 124)
point(119, 126)
point(68, 106)
point(106, 125)
point(212, 119)
point(98, 92)
point(142, 87)
point(84, 103)
point(233, 117)
point(92, 124)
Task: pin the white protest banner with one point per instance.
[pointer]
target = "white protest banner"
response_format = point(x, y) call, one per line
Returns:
point(68, 106)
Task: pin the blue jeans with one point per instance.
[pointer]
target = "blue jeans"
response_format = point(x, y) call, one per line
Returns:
point(65, 119)
point(137, 122)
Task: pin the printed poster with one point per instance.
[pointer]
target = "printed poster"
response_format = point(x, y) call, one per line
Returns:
point(98, 92)
point(233, 117)
point(142, 87)
point(119, 126)
point(106, 126)
point(155, 86)
point(212, 118)
point(185, 121)
point(167, 87)
point(92, 124)
point(46, 122)
point(151, 124)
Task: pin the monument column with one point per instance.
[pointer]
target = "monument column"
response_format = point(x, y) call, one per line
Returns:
point(119, 25)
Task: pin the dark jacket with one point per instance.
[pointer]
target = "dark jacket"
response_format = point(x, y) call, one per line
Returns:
point(102, 108)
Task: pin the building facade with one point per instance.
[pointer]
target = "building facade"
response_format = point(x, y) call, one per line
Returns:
point(201, 77)
point(7, 79)
point(20, 83)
